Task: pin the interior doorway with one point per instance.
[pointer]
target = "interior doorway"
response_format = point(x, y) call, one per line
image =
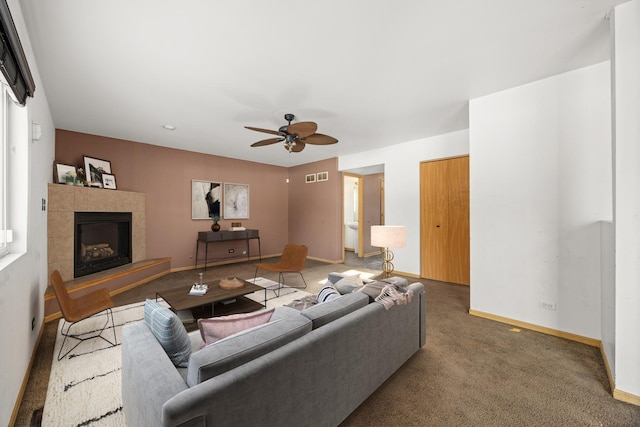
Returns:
point(353, 213)
point(363, 203)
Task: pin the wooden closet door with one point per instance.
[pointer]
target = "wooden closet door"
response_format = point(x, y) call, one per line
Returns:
point(444, 223)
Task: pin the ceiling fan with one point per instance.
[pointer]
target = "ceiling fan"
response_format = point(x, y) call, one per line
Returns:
point(295, 136)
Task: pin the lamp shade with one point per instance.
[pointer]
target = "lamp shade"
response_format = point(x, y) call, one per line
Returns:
point(388, 236)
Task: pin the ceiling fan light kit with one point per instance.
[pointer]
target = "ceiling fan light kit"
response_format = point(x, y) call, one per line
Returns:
point(294, 136)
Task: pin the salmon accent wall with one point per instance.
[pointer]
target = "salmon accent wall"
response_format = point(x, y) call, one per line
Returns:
point(282, 211)
point(315, 210)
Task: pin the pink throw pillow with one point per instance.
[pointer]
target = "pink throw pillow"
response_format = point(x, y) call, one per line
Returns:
point(216, 328)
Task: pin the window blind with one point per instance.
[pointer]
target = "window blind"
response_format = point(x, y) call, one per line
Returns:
point(13, 62)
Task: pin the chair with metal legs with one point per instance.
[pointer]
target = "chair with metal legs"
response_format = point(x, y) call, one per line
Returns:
point(292, 261)
point(74, 310)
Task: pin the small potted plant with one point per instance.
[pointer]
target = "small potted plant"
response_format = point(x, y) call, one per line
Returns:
point(80, 177)
point(215, 226)
point(70, 178)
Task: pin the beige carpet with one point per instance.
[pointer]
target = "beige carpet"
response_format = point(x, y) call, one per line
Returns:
point(472, 371)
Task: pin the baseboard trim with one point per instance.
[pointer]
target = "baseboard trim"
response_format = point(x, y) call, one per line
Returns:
point(617, 394)
point(623, 396)
point(328, 261)
point(607, 367)
point(549, 331)
point(25, 380)
point(405, 274)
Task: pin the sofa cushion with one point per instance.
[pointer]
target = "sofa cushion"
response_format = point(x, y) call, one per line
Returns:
point(169, 331)
point(238, 349)
point(348, 284)
point(322, 314)
point(217, 328)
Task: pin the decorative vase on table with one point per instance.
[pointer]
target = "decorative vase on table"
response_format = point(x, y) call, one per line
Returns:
point(215, 226)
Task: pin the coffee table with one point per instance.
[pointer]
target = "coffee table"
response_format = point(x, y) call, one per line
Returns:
point(222, 301)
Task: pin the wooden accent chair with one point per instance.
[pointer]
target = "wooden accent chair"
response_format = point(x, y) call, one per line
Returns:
point(292, 261)
point(77, 309)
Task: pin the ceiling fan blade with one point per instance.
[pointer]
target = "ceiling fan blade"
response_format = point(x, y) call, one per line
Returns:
point(320, 139)
point(298, 147)
point(266, 142)
point(303, 129)
point(272, 132)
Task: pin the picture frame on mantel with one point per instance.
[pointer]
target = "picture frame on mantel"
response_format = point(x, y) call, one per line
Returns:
point(236, 201)
point(206, 199)
point(109, 181)
point(94, 168)
point(60, 172)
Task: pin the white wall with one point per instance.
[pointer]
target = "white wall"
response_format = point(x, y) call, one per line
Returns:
point(24, 281)
point(626, 82)
point(402, 185)
point(540, 172)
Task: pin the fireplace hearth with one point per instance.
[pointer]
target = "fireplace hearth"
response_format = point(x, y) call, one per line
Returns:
point(102, 241)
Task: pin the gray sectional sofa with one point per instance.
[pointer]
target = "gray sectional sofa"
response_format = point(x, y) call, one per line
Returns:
point(302, 368)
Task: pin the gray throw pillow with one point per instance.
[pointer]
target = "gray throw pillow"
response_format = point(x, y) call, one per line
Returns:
point(169, 331)
point(348, 284)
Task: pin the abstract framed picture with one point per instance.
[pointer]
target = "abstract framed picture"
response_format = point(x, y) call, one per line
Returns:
point(236, 201)
point(206, 199)
point(94, 168)
point(109, 181)
point(61, 172)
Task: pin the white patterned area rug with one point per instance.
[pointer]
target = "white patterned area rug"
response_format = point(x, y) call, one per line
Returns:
point(85, 387)
point(275, 297)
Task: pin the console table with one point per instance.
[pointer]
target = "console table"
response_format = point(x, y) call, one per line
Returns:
point(208, 237)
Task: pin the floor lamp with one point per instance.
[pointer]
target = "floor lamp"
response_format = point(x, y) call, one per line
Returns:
point(388, 236)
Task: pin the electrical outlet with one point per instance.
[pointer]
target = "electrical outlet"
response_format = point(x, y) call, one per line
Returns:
point(231, 251)
point(44, 204)
point(547, 305)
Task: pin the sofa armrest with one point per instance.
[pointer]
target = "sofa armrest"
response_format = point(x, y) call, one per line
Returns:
point(149, 378)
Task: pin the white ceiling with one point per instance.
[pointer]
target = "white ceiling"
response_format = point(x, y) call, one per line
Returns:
point(370, 73)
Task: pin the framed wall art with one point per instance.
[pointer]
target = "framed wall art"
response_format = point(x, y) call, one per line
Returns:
point(322, 176)
point(109, 181)
point(94, 168)
point(309, 178)
point(61, 171)
point(236, 201)
point(206, 199)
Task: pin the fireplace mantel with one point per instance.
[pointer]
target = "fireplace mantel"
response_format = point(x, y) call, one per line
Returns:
point(65, 200)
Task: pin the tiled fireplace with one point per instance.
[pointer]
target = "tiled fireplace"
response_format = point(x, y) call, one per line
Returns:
point(66, 200)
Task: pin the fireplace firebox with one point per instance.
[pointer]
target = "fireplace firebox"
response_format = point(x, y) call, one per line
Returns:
point(102, 241)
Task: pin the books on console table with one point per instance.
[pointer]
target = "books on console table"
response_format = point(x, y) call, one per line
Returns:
point(198, 290)
point(237, 228)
